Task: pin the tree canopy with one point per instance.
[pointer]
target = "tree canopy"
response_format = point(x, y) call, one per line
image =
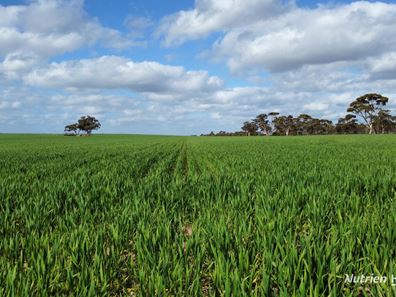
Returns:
point(85, 123)
point(368, 107)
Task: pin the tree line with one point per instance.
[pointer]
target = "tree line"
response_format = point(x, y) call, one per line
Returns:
point(366, 114)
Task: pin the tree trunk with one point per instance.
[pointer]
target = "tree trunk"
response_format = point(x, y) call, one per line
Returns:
point(370, 129)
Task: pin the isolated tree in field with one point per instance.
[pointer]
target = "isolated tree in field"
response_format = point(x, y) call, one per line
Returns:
point(250, 128)
point(71, 129)
point(368, 107)
point(88, 124)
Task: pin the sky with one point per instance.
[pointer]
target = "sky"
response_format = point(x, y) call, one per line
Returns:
point(184, 67)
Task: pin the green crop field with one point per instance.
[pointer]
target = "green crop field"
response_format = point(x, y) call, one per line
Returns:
point(123, 215)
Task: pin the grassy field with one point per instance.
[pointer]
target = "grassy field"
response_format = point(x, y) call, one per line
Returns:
point(123, 215)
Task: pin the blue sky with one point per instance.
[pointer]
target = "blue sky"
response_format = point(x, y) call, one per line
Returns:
point(188, 67)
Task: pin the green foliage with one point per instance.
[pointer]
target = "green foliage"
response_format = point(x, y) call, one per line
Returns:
point(196, 216)
point(88, 124)
point(368, 108)
point(71, 129)
point(85, 123)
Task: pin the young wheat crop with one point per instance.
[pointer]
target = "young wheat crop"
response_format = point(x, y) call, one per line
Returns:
point(196, 216)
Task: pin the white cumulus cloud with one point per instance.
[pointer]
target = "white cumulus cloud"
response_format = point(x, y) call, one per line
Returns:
point(271, 36)
point(43, 29)
point(113, 72)
point(300, 37)
point(210, 16)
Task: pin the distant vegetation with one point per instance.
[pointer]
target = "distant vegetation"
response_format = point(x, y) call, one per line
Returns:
point(86, 124)
point(366, 114)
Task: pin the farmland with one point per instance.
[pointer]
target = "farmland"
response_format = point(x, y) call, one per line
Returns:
point(124, 215)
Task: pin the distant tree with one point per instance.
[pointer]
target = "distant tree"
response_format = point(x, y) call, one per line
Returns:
point(263, 124)
point(250, 128)
point(384, 122)
point(325, 127)
point(284, 124)
point(88, 124)
point(272, 117)
point(304, 124)
point(367, 107)
point(349, 125)
point(71, 129)
point(239, 133)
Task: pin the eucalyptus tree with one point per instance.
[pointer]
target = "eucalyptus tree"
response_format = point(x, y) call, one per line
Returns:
point(368, 107)
point(384, 122)
point(263, 123)
point(284, 125)
point(304, 122)
point(250, 128)
point(85, 123)
point(349, 125)
point(88, 124)
point(71, 129)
